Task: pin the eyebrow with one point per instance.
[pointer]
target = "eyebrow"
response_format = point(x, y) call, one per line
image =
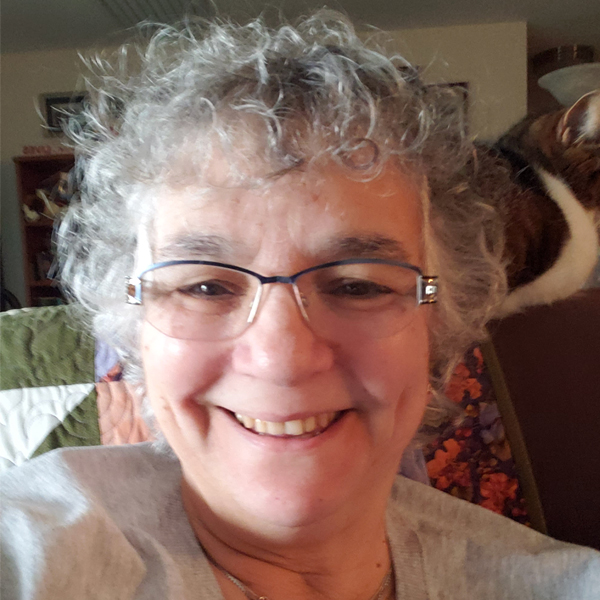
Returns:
point(196, 245)
point(218, 247)
point(368, 246)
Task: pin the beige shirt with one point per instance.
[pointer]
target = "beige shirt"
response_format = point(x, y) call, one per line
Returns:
point(108, 523)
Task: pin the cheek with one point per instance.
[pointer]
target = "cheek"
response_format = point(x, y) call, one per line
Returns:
point(397, 367)
point(175, 370)
point(394, 374)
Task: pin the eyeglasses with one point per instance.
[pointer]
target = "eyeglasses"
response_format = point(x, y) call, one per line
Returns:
point(205, 300)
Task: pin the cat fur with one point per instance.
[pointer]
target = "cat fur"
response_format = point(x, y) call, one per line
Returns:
point(552, 218)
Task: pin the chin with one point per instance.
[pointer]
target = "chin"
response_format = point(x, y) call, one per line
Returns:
point(298, 503)
point(294, 495)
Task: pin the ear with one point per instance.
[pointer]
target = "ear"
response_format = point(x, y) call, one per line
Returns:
point(581, 123)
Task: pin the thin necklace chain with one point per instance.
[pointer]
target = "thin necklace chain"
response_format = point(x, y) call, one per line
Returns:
point(379, 594)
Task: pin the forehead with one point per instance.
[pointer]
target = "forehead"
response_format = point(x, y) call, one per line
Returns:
point(321, 214)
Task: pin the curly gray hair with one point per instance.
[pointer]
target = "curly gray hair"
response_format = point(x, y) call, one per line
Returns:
point(302, 93)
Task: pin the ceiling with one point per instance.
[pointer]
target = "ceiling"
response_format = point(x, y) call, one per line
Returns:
point(43, 24)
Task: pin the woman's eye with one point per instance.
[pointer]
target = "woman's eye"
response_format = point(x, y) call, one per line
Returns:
point(359, 289)
point(208, 289)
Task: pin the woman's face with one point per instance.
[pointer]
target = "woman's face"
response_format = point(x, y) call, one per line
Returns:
point(279, 370)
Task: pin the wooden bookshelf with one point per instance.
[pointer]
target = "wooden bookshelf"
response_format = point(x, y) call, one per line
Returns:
point(36, 236)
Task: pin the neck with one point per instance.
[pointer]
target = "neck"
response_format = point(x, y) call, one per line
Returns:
point(385, 591)
point(346, 559)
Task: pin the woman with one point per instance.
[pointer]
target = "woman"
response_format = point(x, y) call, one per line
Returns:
point(284, 205)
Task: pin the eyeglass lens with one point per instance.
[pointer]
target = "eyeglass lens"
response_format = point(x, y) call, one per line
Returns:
point(206, 302)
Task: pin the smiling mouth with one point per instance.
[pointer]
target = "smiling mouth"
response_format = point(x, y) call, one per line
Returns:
point(311, 426)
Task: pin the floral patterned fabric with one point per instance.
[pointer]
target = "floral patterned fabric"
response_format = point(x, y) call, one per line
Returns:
point(473, 460)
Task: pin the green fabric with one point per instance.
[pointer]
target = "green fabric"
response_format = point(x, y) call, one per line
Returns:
point(47, 347)
point(80, 428)
point(42, 347)
point(515, 438)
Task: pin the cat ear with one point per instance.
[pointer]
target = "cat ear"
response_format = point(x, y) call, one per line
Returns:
point(581, 122)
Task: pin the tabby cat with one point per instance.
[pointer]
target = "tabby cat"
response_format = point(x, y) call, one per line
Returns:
point(552, 221)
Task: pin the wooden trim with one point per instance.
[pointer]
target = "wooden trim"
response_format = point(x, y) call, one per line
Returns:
point(43, 157)
point(515, 438)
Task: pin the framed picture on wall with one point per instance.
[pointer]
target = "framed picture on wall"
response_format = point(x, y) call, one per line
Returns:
point(459, 93)
point(60, 107)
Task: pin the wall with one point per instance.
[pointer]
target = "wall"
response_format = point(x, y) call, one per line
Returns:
point(492, 58)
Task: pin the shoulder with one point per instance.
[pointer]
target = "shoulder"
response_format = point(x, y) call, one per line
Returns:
point(105, 520)
point(472, 552)
point(97, 472)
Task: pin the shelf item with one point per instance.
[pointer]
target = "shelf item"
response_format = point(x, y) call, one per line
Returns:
point(35, 173)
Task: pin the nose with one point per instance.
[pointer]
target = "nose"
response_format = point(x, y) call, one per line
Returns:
point(279, 345)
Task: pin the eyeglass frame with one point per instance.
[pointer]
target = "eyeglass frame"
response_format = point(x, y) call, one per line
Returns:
point(427, 286)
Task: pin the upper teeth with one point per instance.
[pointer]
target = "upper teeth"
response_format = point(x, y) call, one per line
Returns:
point(314, 424)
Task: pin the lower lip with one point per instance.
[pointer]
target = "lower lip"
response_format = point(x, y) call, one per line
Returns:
point(290, 443)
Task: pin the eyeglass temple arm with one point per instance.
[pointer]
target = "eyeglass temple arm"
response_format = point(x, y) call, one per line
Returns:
point(134, 290)
point(427, 290)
